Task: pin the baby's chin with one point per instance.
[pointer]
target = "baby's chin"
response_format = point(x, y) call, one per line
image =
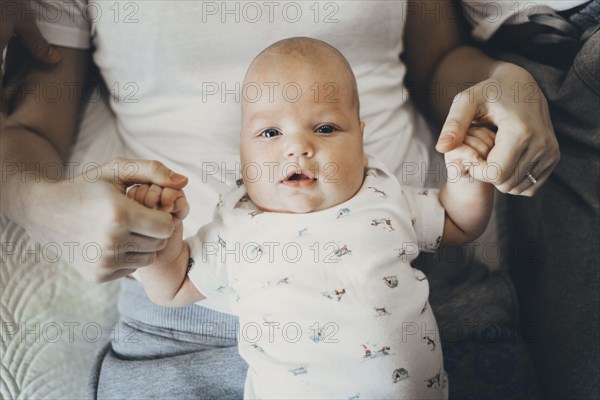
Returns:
point(295, 206)
point(289, 208)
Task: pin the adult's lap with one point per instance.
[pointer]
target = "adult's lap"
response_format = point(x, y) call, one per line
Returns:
point(476, 313)
point(216, 373)
point(485, 354)
point(159, 352)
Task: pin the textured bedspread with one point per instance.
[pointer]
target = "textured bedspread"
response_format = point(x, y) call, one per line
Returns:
point(52, 321)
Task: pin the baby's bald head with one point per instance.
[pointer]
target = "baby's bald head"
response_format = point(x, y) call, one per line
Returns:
point(305, 115)
point(300, 56)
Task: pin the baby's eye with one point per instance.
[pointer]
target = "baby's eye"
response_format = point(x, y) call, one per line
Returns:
point(326, 129)
point(269, 133)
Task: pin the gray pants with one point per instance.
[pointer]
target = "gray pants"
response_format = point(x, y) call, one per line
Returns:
point(175, 353)
point(557, 270)
point(191, 353)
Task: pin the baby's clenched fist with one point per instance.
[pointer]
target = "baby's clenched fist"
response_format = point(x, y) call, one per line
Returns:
point(156, 197)
point(471, 157)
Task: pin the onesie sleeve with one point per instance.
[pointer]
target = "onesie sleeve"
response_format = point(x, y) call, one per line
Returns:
point(427, 216)
point(206, 269)
point(66, 23)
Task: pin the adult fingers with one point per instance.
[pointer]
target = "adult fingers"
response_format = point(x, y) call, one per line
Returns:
point(526, 163)
point(534, 161)
point(125, 172)
point(539, 160)
point(122, 264)
point(133, 260)
point(528, 187)
point(522, 186)
point(462, 113)
point(509, 148)
point(516, 152)
point(119, 274)
point(523, 141)
point(136, 243)
point(534, 188)
point(145, 221)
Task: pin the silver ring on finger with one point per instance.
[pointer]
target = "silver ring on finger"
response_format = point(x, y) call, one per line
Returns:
point(531, 178)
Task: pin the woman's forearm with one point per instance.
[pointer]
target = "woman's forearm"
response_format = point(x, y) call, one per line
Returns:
point(36, 136)
point(461, 69)
point(440, 62)
point(27, 159)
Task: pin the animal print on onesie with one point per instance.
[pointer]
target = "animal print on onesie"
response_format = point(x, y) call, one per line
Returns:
point(328, 302)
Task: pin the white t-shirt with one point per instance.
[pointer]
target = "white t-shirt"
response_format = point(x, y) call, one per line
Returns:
point(329, 296)
point(487, 16)
point(174, 69)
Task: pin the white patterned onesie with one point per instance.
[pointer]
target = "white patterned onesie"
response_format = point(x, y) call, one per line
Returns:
point(329, 305)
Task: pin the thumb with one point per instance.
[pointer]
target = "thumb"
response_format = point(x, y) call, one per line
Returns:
point(31, 38)
point(460, 116)
point(124, 172)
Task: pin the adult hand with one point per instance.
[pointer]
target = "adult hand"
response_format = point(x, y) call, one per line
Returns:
point(104, 234)
point(18, 17)
point(525, 140)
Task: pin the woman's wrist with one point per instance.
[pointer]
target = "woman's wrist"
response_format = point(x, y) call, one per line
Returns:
point(515, 81)
point(502, 71)
point(459, 71)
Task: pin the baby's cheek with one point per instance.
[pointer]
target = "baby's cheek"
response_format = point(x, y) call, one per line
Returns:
point(347, 180)
point(255, 193)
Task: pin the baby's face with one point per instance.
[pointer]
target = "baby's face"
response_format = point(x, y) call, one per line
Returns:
point(301, 144)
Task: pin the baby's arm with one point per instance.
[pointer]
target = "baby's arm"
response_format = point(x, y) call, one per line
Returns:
point(467, 201)
point(165, 280)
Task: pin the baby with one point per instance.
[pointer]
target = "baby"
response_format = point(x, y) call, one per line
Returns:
point(312, 250)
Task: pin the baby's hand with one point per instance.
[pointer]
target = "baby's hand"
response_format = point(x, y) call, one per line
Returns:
point(164, 199)
point(169, 200)
point(471, 157)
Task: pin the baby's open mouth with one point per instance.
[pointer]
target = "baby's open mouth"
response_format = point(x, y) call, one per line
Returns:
point(296, 178)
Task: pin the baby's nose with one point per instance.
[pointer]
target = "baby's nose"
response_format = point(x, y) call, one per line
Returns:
point(300, 148)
